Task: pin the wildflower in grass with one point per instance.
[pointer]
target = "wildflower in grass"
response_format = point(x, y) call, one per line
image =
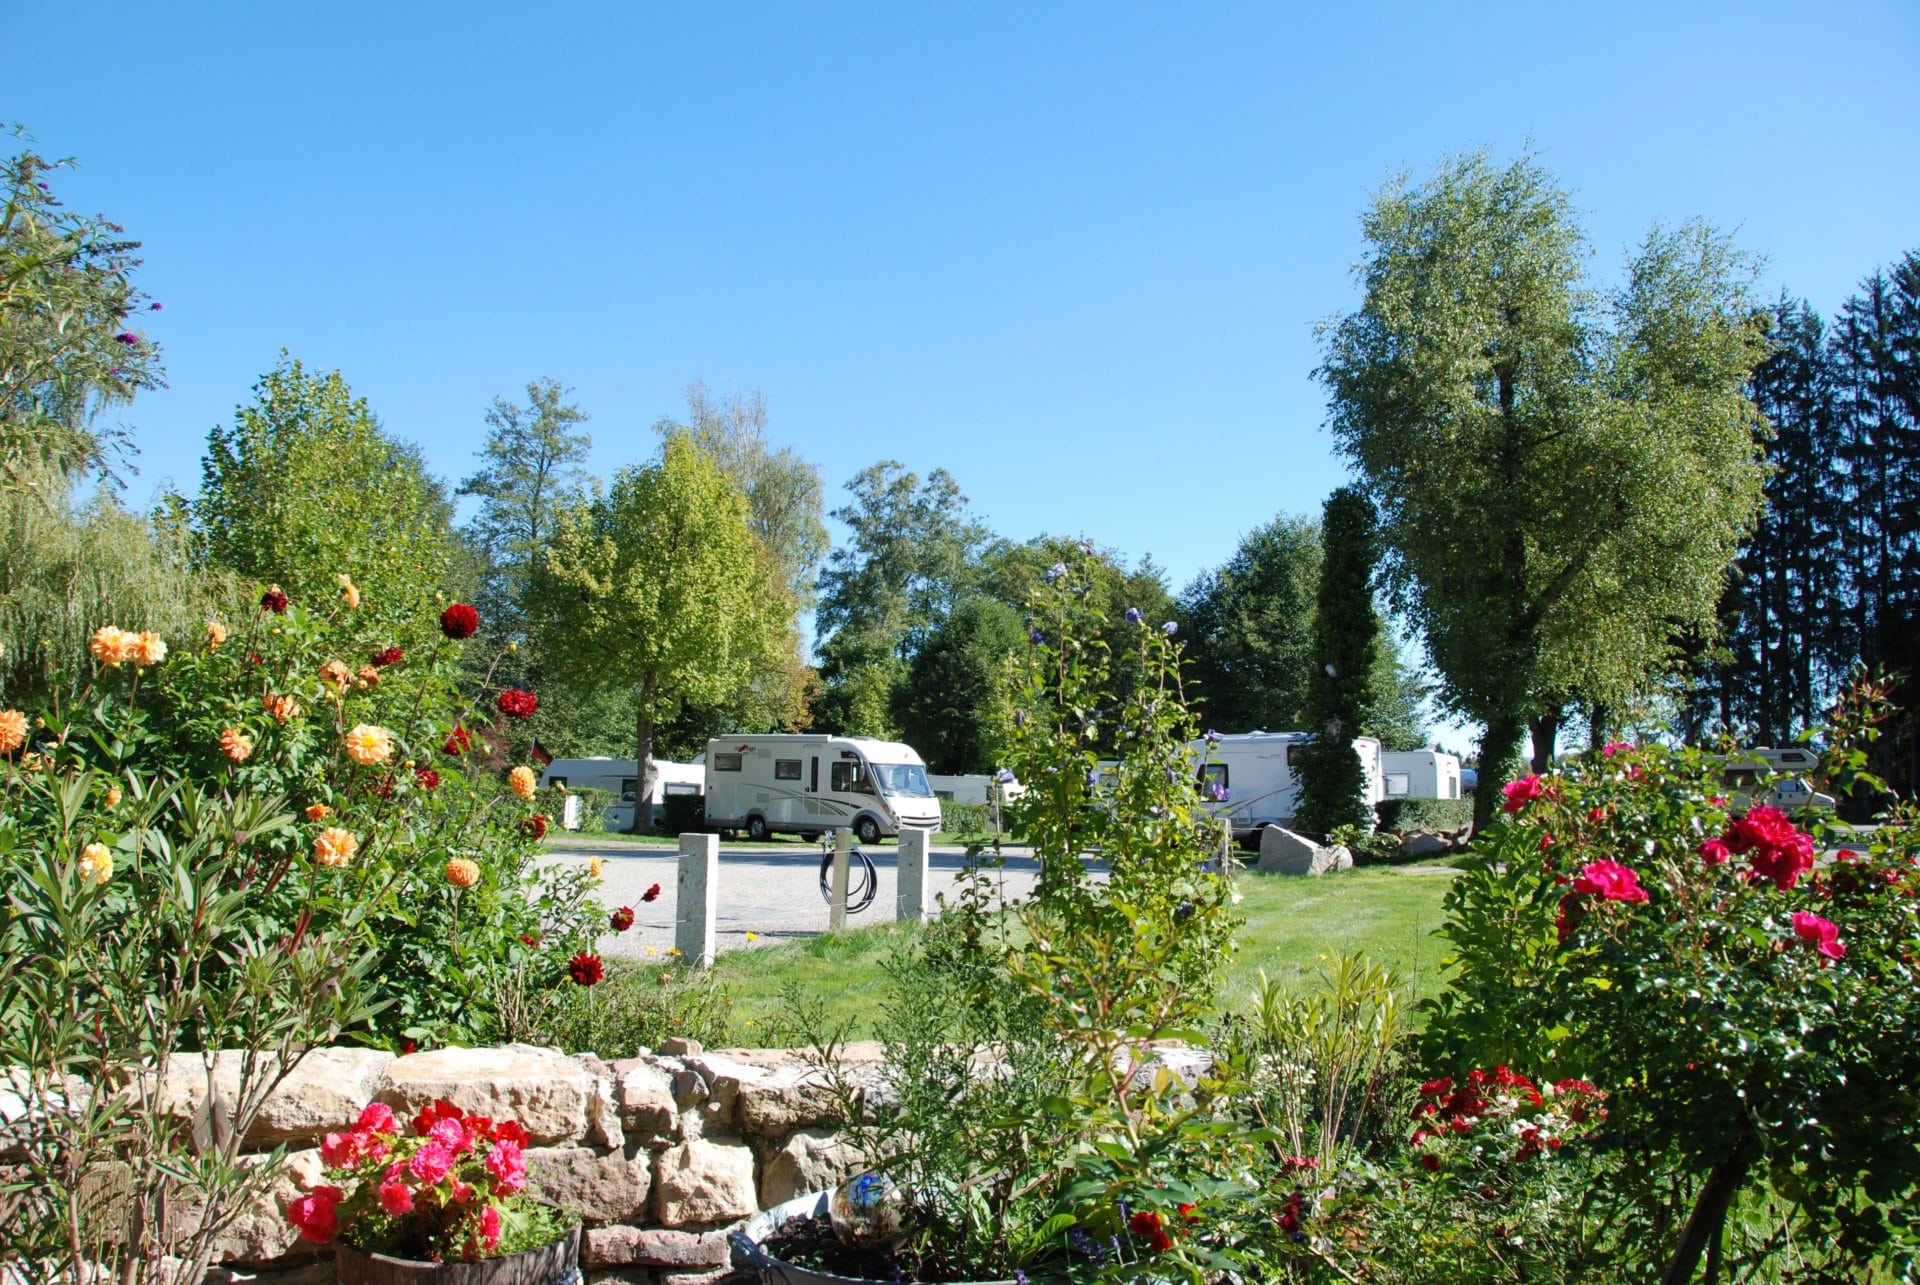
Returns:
point(216, 634)
point(674, 951)
point(13, 730)
point(275, 601)
point(586, 969)
point(96, 863)
point(235, 745)
point(462, 872)
point(753, 936)
point(368, 745)
point(459, 621)
point(521, 782)
point(334, 846)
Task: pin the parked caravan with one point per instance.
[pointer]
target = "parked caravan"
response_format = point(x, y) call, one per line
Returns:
point(1255, 770)
point(973, 788)
point(808, 784)
point(621, 778)
point(1775, 778)
point(1420, 774)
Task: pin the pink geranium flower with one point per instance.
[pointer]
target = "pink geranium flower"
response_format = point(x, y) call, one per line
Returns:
point(396, 1198)
point(432, 1162)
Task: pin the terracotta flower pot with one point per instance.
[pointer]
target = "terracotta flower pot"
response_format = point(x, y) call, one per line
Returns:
point(747, 1255)
point(555, 1263)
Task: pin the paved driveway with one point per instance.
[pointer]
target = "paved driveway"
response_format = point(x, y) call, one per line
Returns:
point(772, 893)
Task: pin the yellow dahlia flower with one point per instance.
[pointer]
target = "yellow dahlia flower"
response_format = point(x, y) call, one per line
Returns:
point(13, 730)
point(235, 745)
point(522, 781)
point(216, 634)
point(336, 675)
point(368, 745)
point(462, 873)
point(111, 645)
point(334, 846)
point(146, 649)
point(96, 863)
point(283, 708)
point(593, 867)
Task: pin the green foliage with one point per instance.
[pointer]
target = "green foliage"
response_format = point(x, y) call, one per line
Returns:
point(948, 707)
point(1402, 815)
point(1562, 480)
point(1249, 629)
point(681, 813)
point(1346, 646)
point(305, 486)
point(69, 349)
point(661, 587)
point(1751, 1053)
point(907, 562)
point(966, 818)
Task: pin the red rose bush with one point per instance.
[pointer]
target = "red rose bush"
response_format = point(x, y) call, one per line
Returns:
point(452, 1188)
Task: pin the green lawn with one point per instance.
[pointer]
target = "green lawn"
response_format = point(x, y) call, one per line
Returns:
point(1290, 925)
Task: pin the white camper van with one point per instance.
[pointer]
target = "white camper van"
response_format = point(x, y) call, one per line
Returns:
point(1255, 769)
point(621, 778)
point(1420, 774)
point(1776, 778)
point(807, 784)
point(974, 788)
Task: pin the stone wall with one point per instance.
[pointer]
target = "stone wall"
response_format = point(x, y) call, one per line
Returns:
point(658, 1154)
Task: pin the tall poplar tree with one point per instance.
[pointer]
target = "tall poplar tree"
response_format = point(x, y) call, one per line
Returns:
point(1563, 478)
point(1346, 645)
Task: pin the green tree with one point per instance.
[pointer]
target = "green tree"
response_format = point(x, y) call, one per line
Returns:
point(660, 586)
point(948, 707)
point(910, 557)
point(1562, 478)
point(1346, 651)
point(68, 347)
point(784, 494)
point(306, 486)
point(1249, 629)
point(529, 470)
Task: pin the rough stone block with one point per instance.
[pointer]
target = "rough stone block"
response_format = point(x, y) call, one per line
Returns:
point(703, 1183)
point(600, 1186)
point(644, 1093)
point(654, 1247)
point(324, 1092)
point(811, 1160)
point(1286, 853)
point(546, 1091)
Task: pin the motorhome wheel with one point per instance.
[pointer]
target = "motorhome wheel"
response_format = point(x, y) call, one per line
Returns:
point(757, 829)
point(867, 829)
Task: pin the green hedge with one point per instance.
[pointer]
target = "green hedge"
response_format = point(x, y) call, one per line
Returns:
point(680, 813)
point(965, 818)
point(1398, 816)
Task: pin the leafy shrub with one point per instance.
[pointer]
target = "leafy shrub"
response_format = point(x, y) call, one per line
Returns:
point(683, 813)
point(1625, 928)
point(965, 818)
point(1398, 816)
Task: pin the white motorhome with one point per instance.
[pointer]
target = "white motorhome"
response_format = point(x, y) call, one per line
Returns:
point(1255, 770)
point(807, 784)
point(1776, 778)
point(1420, 774)
point(974, 788)
point(621, 778)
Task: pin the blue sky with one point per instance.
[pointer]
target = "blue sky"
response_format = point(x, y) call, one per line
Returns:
point(1072, 253)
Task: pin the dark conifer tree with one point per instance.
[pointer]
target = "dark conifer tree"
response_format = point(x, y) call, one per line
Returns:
point(1340, 688)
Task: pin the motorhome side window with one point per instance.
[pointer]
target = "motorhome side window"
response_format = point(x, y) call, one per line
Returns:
point(1398, 785)
point(629, 788)
point(848, 778)
point(560, 781)
point(1214, 774)
point(726, 762)
point(786, 769)
point(1293, 748)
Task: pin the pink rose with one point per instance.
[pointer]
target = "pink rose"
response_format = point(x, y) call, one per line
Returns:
point(1714, 852)
point(1611, 880)
point(396, 1198)
point(1822, 934)
point(1521, 792)
point(315, 1213)
point(432, 1162)
point(508, 1165)
point(1612, 748)
point(377, 1118)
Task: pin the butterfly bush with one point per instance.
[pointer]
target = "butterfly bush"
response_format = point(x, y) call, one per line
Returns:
point(1741, 981)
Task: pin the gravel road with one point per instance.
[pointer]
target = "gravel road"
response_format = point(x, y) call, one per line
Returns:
point(772, 893)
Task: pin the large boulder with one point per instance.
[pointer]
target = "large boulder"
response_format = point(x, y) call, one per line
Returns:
point(600, 1186)
point(769, 1093)
point(1282, 852)
point(549, 1093)
point(1424, 843)
point(704, 1183)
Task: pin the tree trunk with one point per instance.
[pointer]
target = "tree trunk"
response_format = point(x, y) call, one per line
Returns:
point(1709, 1214)
point(1499, 750)
point(1545, 728)
point(645, 771)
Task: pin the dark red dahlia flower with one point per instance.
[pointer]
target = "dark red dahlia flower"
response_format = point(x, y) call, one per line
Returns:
point(459, 621)
point(515, 703)
point(275, 601)
point(621, 919)
point(585, 969)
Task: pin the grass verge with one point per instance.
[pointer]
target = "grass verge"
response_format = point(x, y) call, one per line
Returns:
point(1289, 926)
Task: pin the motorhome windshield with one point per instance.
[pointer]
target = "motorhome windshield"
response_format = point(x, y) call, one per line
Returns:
point(906, 779)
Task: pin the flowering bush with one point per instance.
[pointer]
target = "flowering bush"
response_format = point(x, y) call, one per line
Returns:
point(1752, 1004)
point(451, 1190)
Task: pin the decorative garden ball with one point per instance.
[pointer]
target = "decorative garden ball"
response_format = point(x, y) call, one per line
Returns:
point(869, 1207)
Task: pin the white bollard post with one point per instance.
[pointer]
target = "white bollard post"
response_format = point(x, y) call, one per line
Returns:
point(910, 883)
point(696, 898)
point(842, 858)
